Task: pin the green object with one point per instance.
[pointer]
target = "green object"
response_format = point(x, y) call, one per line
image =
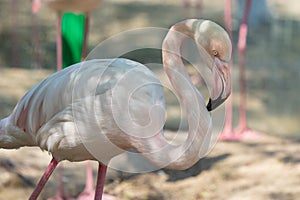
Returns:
point(72, 38)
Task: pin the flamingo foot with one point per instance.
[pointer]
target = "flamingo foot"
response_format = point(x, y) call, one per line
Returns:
point(60, 196)
point(56, 197)
point(242, 133)
point(90, 194)
point(86, 194)
point(247, 133)
point(230, 136)
point(108, 197)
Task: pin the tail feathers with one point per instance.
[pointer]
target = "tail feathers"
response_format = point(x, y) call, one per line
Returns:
point(12, 137)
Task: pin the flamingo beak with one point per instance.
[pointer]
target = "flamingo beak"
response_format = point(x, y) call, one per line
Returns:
point(221, 84)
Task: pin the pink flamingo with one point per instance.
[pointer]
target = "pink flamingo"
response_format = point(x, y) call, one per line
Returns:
point(242, 131)
point(46, 118)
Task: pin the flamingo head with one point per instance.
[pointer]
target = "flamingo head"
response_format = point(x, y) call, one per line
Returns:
point(215, 40)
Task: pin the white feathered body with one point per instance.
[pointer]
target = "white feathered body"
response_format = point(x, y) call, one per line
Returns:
point(109, 106)
point(87, 100)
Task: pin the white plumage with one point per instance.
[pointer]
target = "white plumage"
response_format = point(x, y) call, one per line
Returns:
point(44, 117)
point(114, 105)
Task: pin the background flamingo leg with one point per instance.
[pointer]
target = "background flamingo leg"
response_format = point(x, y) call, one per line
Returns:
point(228, 133)
point(89, 191)
point(242, 130)
point(85, 37)
point(60, 193)
point(199, 6)
point(186, 4)
point(58, 42)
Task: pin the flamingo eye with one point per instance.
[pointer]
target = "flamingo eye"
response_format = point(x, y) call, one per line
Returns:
point(215, 52)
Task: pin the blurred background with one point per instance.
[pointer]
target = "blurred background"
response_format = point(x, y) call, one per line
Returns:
point(265, 168)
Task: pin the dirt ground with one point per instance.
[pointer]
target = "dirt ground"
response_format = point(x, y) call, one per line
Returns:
point(263, 168)
point(267, 168)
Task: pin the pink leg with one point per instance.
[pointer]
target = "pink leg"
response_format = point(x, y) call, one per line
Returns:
point(243, 130)
point(228, 133)
point(186, 4)
point(36, 4)
point(242, 76)
point(15, 37)
point(60, 194)
point(85, 38)
point(186, 7)
point(100, 184)
point(100, 181)
point(88, 192)
point(199, 5)
point(44, 179)
point(58, 42)
point(35, 40)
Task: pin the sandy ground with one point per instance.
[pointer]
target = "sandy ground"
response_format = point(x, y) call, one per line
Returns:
point(266, 168)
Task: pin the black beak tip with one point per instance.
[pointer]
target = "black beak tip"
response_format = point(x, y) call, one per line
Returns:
point(213, 104)
point(209, 105)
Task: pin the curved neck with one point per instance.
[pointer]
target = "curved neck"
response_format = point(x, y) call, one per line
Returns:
point(183, 156)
